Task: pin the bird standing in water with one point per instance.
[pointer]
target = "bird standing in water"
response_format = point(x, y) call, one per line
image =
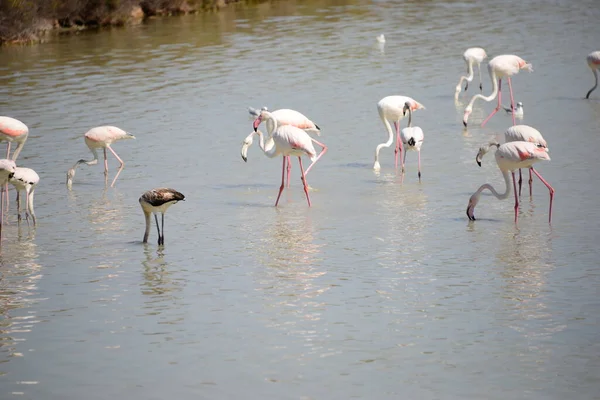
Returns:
point(158, 201)
point(25, 179)
point(593, 60)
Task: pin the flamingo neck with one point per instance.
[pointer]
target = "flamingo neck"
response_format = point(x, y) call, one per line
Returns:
point(469, 78)
point(270, 150)
point(587, 96)
point(499, 196)
point(409, 117)
point(147, 231)
point(388, 127)
point(492, 96)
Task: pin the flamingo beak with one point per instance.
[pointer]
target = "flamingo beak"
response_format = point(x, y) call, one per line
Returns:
point(256, 123)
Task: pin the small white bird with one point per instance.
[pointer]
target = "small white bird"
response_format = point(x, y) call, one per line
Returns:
point(255, 113)
point(381, 38)
point(25, 179)
point(518, 110)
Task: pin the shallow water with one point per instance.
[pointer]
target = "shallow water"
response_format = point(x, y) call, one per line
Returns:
point(382, 288)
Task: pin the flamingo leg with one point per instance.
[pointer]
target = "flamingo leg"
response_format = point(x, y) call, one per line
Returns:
point(520, 180)
point(550, 189)
point(157, 228)
point(282, 183)
point(106, 165)
point(5, 191)
point(1, 215)
point(398, 144)
point(516, 197)
point(162, 226)
point(304, 180)
point(404, 161)
point(480, 84)
point(512, 101)
point(419, 155)
point(19, 206)
point(289, 169)
point(498, 106)
point(323, 151)
point(530, 185)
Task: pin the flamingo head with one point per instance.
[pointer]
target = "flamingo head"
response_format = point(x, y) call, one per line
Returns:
point(257, 122)
point(468, 112)
point(407, 107)
point(480, 154)
point(245, 145)
point(471, 207)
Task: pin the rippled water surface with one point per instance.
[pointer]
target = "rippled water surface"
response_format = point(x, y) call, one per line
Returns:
point(382, 289)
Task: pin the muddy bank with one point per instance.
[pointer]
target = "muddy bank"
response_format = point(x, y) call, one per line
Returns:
point(31, 21)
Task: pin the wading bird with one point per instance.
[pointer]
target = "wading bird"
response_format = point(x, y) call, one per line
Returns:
point(593, 60)
point(499, 67)
point(509, 157)
point(101, 137)
point(12, 130)
point(412, 138)
point(391, 108)
point(158, 201)
point(473, 55)
point(25, 179)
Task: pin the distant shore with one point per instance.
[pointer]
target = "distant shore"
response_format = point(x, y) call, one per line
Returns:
point(22, 22)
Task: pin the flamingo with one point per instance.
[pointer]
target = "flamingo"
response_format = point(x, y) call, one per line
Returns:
point(499, 67)
point(158, 201)
point(25, 179)
point(412, 138)
point(287, 140)
point(7, 170)
point(12, 130)
point(509, 157)
point(471, 56)
point(520, 133)
point(101, 137)
point(282, 116)
point(593, 60)
point(391, 108)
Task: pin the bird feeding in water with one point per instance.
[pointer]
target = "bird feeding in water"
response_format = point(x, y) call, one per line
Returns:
point(473, 55)
point(25, 179)
point(101, 137)
point(158, 201)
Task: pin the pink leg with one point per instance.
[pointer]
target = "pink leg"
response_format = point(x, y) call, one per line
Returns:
point(398, 144)
point(289, 169)
point(282, 181)
point(323, 151)
point(304, 180)
point(512, 101)
point(520, 180)
point(550, 189)
point(530, 185)
point(516, 197)
point(404, 161)
point(498, 106)
point(106, 165)
point(419, 153)
point(5, 193)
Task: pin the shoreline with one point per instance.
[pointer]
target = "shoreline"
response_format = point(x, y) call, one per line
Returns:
point(18, 26)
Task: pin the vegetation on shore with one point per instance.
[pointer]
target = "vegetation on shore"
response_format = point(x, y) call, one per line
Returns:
point(29, 21)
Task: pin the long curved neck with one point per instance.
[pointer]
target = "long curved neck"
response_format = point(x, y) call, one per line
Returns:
point(595, 71)
point(499, 196)
point(494, 93)
point(272, 124)
point(469, 78)
point(93, 161)
point(147, 231)
point(388, 127)
point(270, 150)
point(409, 117)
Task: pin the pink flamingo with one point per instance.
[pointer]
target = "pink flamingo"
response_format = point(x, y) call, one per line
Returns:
point(158, 201)
point(25, 179)
point(593, 60)
point(499, 67)
point(391, 108)
point(283, 116)
point(101, 137)
point(520, 133)
point(412, 138)
point(288, 140)
point(471, 56)
point(12, 130)
point(509, 157)
point(7, 170)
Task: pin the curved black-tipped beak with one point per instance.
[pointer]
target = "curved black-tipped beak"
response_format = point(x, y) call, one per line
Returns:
point(245, 159)
point(465, 124)
point(255, 129)
point(478, 162)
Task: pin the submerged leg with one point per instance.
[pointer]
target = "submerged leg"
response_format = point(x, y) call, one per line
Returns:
point(282, 181)
point(162, 226)
point(157, 227)
point(404, 161)
point(550, 189)
point(516, 197)
point(498, 106)
point(19, 206)
point(289, 169)
point(304, 180)
point(398, 144)
point(419, 154)
point(530, 184)
point(520, 181)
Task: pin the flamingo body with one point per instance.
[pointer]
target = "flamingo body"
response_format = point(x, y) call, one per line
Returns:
point(391, 108)
point(25, 179)
point(13, 130)
point(499, 67)
point(158, 201)
point(473, 55)
point(509, 157)
point(101, 137)
point(412, 137)
point(593, 60)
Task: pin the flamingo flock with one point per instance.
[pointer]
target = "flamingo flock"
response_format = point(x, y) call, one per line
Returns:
point(288, 134)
